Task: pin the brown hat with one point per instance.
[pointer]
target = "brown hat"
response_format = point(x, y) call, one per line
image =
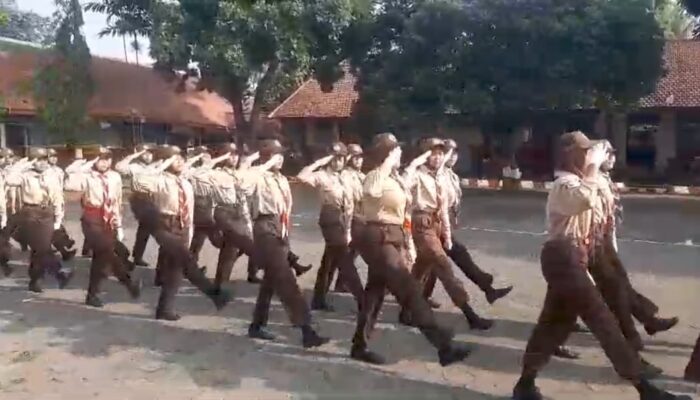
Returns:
point(339, 149)
point(51, 152)
point(6, 153)
point(37, 152)
point(576, 140)
point(385, 141)
point(166, 151)
point(227, 148)
point(145, 147)
point(269, 147)
point(431, 144)
point(450, 144)
point(100, 152)
point(354, 150)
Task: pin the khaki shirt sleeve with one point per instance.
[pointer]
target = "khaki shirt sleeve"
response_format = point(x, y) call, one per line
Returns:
point(314, 179)
point(148, 183)
point(574, 196)
point(247, 179)
point(76, 182)
point(3, 203)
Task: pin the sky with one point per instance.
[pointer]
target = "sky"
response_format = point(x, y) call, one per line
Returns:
point(111, 47)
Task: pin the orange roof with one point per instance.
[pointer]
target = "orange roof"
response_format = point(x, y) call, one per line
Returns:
point(122, 91)
point(679, 88)
point(309, 101)
point(681, 85)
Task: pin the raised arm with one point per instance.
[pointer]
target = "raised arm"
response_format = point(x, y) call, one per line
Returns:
point(308, 176)
point(123, 166)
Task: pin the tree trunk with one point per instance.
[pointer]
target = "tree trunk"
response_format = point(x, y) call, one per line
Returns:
point(263, 86)
point(126, 55)
point(136, 48)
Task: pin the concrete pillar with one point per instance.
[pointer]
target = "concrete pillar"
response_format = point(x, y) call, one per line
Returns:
point(665, 140)
point(3, 136)
point(619, 137)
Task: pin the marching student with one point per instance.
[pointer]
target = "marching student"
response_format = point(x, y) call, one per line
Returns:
point(173, 198)
point(41, 214)
point(101, 190)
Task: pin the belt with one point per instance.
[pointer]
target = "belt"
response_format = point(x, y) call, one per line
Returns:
point(383, 224)
point(35, 205)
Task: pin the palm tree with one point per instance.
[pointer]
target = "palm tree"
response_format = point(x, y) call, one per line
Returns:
point(126, 18)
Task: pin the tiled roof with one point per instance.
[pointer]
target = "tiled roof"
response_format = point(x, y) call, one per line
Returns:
point(681, 85)
point(679, 88)
point(122, 91)
point(309, 101)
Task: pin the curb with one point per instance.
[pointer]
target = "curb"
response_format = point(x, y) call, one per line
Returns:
point(532, 186)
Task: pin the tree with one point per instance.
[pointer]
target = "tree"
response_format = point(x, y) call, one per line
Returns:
point(250, 52)
point(63, 86)
point(125, 18)
point(21, 25)
point(418, 60)
point(675, 20)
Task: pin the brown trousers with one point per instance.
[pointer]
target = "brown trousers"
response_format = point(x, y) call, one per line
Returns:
point(146, 214)
point(432, 258)
point(384, 250)
point(35, 225)
point(105, 258)
point(642, 308)
point(335, 256)
point(692, 371)
point(235, 241)
point(570, 294)
point(204, 226)
point(272, 252)
point(615, 289)
point(175, 260)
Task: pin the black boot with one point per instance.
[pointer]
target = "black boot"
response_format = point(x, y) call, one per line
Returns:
point(298, 268)
point(259, 332)
point(526, 389)
point(254, 279)
point(364, 355)
point(134, 287)
point(220, 297)
point(167, 315)
point(64, 276)
point(566, 353)
point(475, 321)
point(649, 370)
point(68, 255)
point(93, 301)
point(310, 338)
point(647, 391)
point(35, 286)
point(433, 304)
point(492, 295)
point(320, 304)
point(405, 318)
point(660, 325)
point(140, 263)
point(454, 353)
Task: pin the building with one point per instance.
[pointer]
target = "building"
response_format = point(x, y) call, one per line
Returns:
point(131, 104)
point(658, 141)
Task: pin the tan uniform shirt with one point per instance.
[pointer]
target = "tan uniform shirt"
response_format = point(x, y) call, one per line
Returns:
point(94, 194)
point(133, 168)
point(574, 207)
point(273, 196)
point(224, 186)
point(454, 192)
point(353, 180)
point(384, 198)
point(3, 202)
point(39, 189)
point(164, 189)
point(431, 194)
point(331, 187)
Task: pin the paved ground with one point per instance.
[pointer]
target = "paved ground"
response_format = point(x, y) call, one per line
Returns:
point(53, 347)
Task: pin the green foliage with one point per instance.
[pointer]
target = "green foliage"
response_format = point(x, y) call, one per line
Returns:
point(675, 20)
point(22, 25)
point(420, 59)
point(63, 86)
point(251, 52)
